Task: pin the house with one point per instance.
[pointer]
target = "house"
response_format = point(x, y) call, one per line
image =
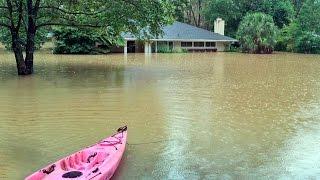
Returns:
point(180, 36)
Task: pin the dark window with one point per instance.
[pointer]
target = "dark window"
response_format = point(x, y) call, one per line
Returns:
point(162, 43)
point(170, 45)
point(186, 44)
point(210, 44)
point(198, 44)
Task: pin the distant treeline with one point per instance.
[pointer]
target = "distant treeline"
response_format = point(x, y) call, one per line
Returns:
point(297, 22)
point(261, 26)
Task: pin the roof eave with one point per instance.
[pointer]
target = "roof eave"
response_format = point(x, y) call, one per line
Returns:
point(192, 40)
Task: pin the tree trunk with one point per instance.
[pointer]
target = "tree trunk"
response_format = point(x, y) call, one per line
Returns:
point(31, 32)
point(30, 52)
point(18, 53)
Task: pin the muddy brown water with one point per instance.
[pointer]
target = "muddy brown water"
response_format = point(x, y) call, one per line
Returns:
point(189, 116)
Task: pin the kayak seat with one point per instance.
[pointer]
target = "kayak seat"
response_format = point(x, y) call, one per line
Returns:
point(97, 160)
point(72, 174)
point(83, 160)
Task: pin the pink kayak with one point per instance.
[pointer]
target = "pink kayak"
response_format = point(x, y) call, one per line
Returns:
point(99, 161)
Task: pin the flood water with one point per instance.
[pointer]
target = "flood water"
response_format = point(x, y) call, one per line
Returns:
point(189, 116)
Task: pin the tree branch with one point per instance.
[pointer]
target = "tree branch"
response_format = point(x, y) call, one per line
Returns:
point(36, 7)
point(20, 10)
point(9, 5)
point(25, 24)
point(72, 13)
point(67, 25)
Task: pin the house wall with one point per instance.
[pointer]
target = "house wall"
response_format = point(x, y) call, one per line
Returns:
point(176, 44)
point(140, 47)
point(220, 46)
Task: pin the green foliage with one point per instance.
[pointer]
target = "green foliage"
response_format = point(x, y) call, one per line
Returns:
point(309, 18)
point(308, 43)
point(282, 11)
point(6, 40)
point(105, 16)
point(257, 33)
point(286, 39)
point(166, 49)
point(71, 40)
point(222, 9)
point(308, 36)
point(298, 21)
point(297, 4)
point(180, 7)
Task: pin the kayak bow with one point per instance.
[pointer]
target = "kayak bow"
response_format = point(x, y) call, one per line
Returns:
point(96, 162)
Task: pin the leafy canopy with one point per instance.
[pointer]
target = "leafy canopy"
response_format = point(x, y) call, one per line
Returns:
point(233, 11)
point(107, 17)
point(302, 35)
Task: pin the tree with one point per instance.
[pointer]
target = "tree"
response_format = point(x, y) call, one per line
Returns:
point(283, 13)
point(257, 33)
point(308, 38)
point(180, 7)
point(297, 4)
point(190, 11)
point(23, 19)
point(286, 39)
point(308, 42)
point(309, 18)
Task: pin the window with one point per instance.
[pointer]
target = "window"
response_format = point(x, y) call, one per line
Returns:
point(198, 44)
point(170, 45)
point(210, 44)
point(162, 43)
point(186, 44)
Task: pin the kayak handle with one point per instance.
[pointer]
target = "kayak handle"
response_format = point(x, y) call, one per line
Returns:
point(122, 129)
point(49, 169)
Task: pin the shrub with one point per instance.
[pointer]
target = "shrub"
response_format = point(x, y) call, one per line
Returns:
point(286, 39)
point(308, 43)
point(166, 49)
point(257, 33)
point(82, 41)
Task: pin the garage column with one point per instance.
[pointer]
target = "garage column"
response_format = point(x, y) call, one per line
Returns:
point(125, 48)
point(156, 46)
point(147, 47)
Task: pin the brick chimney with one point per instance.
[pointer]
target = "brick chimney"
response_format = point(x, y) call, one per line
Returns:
point(219, 26)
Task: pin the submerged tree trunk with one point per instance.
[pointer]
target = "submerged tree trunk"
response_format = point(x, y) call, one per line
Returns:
point(30, 50)
point(18, 53)
point(24, 64)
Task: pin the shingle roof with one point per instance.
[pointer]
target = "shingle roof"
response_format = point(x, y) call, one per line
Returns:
point(182, 31)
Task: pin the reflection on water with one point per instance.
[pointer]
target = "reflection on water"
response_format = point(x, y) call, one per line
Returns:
point(190, 116)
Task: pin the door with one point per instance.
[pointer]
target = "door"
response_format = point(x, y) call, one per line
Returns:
point(131, 47)
point(170, 45)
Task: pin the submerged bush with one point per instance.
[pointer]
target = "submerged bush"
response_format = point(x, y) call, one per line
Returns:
point(257, 33)
point(82, 41)
point(166, 49)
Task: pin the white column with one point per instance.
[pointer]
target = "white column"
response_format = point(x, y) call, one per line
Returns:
point(156, 50)
point(125, 48)
point(147, 47)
